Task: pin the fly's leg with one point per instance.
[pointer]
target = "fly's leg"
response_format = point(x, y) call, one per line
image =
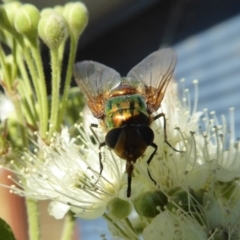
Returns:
point(165, 130)
point(129, 170)
point(93, 125)
point(150, 159)
point(100, 157)
point(155, 145)
point(130, 166)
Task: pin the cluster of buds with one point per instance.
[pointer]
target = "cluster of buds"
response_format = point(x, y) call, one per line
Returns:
point(22, 28)
point(32, 105)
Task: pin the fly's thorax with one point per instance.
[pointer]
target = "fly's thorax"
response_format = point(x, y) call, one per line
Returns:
point(126, 109)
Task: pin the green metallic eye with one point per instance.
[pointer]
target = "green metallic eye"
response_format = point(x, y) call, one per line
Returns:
point(146, 133)
point(112, 137)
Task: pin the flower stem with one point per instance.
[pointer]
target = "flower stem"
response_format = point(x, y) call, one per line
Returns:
point(128, 222)
point(124, 233)
point(42, 88)
point(73, 48)
point(5, 68)
point(54, 119)
point(14, 65)
point(68, 227)
point(61, 53)
point(33, 219)
point(27, 90)
point(21, 119)
point(34, 76)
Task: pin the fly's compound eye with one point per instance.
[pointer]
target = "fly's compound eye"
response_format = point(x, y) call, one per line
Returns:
point(146, 133)
point(112, 137)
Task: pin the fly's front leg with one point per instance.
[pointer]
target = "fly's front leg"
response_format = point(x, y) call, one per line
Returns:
point(100, 157)
point(165, 130)
point(129, 170)
point(93, 125)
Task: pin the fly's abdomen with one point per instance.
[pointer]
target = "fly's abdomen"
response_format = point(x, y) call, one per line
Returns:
point(126, 109)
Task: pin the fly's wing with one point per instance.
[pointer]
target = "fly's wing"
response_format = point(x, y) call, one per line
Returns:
point(155, 72)
point(95, 81)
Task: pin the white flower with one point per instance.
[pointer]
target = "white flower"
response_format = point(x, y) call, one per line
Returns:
point(190, 189)
point(168, 227)
point(169, 167)
point(67, 172)
point(200, 184)
point(6, 107)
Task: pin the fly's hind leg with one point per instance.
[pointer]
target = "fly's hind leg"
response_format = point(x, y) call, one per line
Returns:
point(150, 159)
point(165, 131)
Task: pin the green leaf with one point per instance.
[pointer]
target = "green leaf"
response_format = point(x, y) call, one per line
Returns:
point(6, 231)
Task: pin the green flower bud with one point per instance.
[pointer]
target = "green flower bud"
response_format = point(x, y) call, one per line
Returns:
point(59, 9)
point(46, 11)
point(11, 10)
point(147, 204)
point(119, 209)
point(4, 21)
point(178, 199)
point(76, 15)
point(53, 29)
point(26, 20)
point(185, 200)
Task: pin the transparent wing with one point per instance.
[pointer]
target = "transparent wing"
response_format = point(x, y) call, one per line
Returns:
point(95, 81)
point(155, 72)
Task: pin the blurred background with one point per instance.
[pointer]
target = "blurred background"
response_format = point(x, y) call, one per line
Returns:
point(205, 35)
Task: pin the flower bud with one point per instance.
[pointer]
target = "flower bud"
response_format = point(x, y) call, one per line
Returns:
point(183, 199)
point(119, 209)
point(46, 11)
point(53, 29)
point(26, 20)
point(11, 10)
point(4, 21)
point(59, 9)
point(178, 199)
point(76, 15)
point(147, 204)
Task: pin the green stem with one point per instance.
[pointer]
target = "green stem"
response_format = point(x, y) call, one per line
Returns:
point(28, 91)
point(108, 219)
point(68, 228)
point(128, 222)
point(6, 71)
point(42, 88)
point(14, 65)
point(55, 91)
point(73, 48)
point(61, 53)
point(21, 120)
point(34, 76)
point(33, 219)
point(27, 108)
